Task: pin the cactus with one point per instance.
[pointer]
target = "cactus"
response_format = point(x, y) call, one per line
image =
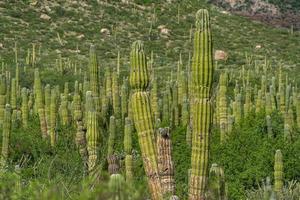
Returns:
point(185, 114)
point(116, 101)
point(288, 124)
point(64, 111)
point(237, 108)
point(154, 100)
point(80, 138)
point(39, 102)
point(128, 149)
point(94, 77)
point(111, 143)
point(92, 135)
point(175, 107)
point(202, 79)
point(124, 99)
point(52, 117)
point(216, 183)
point(165, 163)
point(2, 97)
point(223, 107)
point(269, 126)
point(142, 117)
point(5, 136)
point(47, 105)
point(25, 109)
point(116, 186)
point(166, 109)
point(248, 103)
point(13, 99)
point(278, 172)
point(297, 110)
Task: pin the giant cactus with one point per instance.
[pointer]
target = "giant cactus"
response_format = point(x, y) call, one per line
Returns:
point(6, 136)
point(25, 110)
point(111, 158)
point(128, 149)
point(142, 117)
point(93, 135)
point(223, 110)
point(202, 79)
point(2, 97)
point(278, 172)
point(52, 117)
point(39, 102)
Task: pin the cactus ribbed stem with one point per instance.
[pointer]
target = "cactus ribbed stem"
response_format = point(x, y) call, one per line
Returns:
point(128, 149)
point(92, 138)
point(39, 102)
point(223, 107)
point(2, 97)
point(278, 172)
point(47, 105)
point(25, 110)
point(154, 100)
point(52, 116)
point(202, 79)
point(142, 117)
point(5, 136)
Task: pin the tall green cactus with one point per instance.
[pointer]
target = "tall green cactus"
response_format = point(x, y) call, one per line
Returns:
point(223, 109)
point(93, 135)
point(142, 117)
point(111, 137)
point(128, 150)
point(47, 105)
point(278, 172)
point(202, 80)
point(52, 116)
point(94, 77)
point(25, 110)
point(39, 102)
point(5, 136)
point(154, 100)
point(2, 97)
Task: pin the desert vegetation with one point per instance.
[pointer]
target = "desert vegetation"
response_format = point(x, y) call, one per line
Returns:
point(147, 114)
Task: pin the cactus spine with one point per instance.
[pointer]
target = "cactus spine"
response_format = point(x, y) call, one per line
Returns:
point(6, 136)
point(202, 79)
point(278, 172)
point(142, 117)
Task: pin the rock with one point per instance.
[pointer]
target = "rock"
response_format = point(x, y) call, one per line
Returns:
point(1, 46)
point(258, 46)
point(164, 31)
point(105, 31)
point(45, 17)
point(221, 55)
point(80, 36)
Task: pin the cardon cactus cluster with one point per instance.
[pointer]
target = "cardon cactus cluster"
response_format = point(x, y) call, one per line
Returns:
point(202, 79)
point(142, 117)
